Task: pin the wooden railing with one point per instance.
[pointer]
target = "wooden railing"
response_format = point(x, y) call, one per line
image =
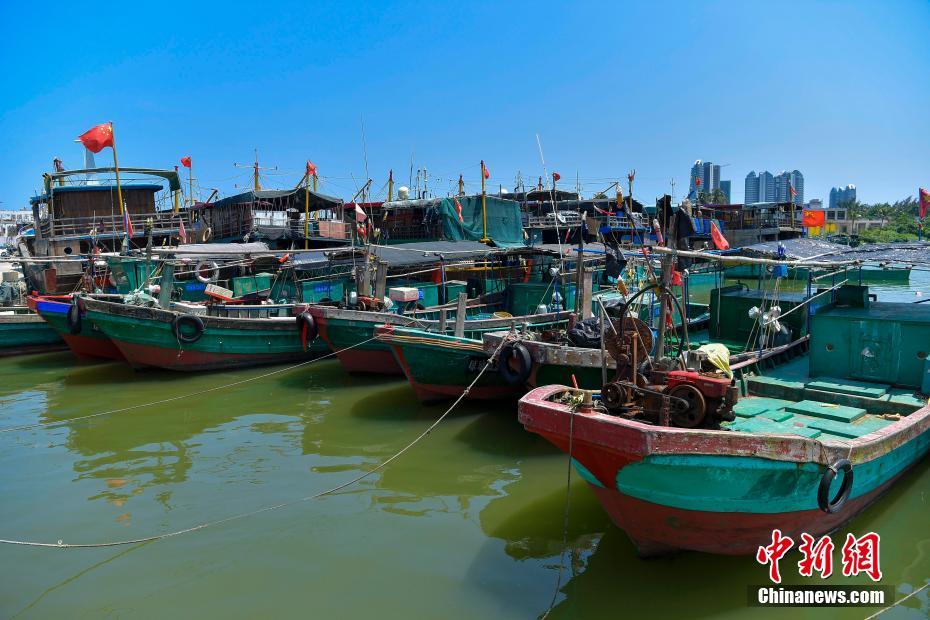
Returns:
point(162, 221)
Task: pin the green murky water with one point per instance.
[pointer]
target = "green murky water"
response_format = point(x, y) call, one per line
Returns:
point(468, 524)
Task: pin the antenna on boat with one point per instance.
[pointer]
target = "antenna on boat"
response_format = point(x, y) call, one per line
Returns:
point(256, 177)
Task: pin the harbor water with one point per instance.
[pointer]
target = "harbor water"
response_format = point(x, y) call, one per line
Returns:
point(467, 524)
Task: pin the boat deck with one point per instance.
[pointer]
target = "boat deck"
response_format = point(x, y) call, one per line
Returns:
point(787, 401)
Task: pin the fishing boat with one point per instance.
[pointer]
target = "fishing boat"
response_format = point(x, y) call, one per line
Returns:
point(65, 314)
point(504, 286)
point(207, 337)
point(694, 460)
point(23, 331)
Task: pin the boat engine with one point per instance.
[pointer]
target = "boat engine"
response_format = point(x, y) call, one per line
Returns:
point(669, 397)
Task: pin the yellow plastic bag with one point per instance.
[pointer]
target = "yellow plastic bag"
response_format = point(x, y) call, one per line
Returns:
point(719, 356)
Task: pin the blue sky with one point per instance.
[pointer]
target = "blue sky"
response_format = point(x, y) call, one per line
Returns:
point(838, 90)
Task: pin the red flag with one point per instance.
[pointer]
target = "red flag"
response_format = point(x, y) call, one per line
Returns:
point(720, 241)
point(359, 214)
point(676, 278)
point(186, 161)
point(556, 176)
point(182, 234)
point(812, 217)
point(485, 171)
point(791, 190)
point(96, 138)
point(924, 202)
point(458, 209)
point(697, 182)
point(311, 169)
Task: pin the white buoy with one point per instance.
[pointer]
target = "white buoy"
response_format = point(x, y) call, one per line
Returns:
point(403, 192)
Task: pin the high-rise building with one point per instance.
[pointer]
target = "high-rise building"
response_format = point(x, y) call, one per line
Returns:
point(786, 181)
point(839, 195)
point(766, 187)
point(751, 193)
point(725, 188)
point(708, 173)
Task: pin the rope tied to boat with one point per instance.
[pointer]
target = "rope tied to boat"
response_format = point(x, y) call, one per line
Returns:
point(60, 544)
point(54, 423)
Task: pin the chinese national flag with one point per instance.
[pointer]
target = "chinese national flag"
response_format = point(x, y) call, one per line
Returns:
point(697, 182)
point(96, 138)
point(556, 176)
point(485, 171)
point(813, 218)
point(791, 190)
point(924, 202)
point(186, 161)
point(311, 169)
point(720, 242)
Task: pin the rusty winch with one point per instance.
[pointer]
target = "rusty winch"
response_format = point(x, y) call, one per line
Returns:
point(662, 394)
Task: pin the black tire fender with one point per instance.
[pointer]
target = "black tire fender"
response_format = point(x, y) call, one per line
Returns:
point(75, 317)
point(307, 328)
point(824, 501)
point(190, 319)
point(518, 352)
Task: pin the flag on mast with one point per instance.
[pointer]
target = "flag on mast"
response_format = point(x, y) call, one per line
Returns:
point(127, 223)
point(97, 138)
point(924, 202)
point(186, 161)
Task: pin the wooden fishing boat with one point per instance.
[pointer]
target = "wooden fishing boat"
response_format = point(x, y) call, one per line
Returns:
point(440, 366)
point(217, 337)
point(65, 315)
point(23, 331)
point(500, 288)
point(807, 447)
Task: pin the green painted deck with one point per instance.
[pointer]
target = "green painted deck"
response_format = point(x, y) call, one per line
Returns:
point(786, 401)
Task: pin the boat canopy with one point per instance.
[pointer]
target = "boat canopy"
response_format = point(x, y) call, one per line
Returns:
point(286, 198)
point(915, 253)
point(412, 254)
point(174, 181)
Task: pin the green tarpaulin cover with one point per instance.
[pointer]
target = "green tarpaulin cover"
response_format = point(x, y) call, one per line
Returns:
point(505, 227)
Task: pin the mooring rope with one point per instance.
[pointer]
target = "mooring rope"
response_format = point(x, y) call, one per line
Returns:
point(63, 545)
point(898, 602)
point(183, 396)
point(568, 502)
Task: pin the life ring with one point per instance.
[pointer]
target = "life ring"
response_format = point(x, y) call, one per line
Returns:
point(474, 287)
point(823, 493)
point(211, 268)
point(519, 353)
point(191, 319)
point(307, 327)
point(75, 317)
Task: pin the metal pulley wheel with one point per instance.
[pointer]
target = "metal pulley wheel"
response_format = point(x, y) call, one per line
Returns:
point(693, 414)
point(631, 327)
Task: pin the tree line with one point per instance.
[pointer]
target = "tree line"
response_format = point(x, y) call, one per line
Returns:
point(898, 219)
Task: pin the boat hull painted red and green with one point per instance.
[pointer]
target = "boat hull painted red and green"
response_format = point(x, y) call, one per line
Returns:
point(441, 366)
point(86, 341)
point(351, 333)
point(720, 491)
point(556, 364)
point(23, 331)
point(146, 337)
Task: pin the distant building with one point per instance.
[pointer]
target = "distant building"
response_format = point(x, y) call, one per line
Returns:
point(705, 177)
point(840, 195)
point(815, 204)
point(783, 184)
point(725, 188)
point(11, 222)
point(766, 187)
